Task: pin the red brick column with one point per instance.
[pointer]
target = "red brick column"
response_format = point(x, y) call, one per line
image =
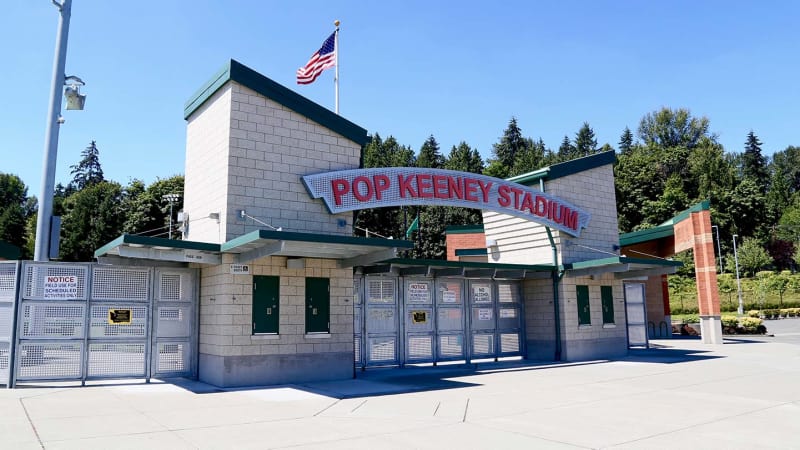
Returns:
point(461, 241)
point(705, 265)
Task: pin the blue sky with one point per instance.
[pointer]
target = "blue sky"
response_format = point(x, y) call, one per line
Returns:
point(458, 71)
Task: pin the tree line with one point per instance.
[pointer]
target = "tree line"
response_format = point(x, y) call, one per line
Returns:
point(672, 161)
point(93, 210)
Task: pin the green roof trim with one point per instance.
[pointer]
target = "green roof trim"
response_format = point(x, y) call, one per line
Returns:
point(311, 237)
point(9, 251)
point(650, 234)
point(622, 260)
point(471, 252)
point(705, 205)
point(567, 168)
point(146, 241)
point(663, 230)
point(469, 264)
point(464, 229)
point(238, 72)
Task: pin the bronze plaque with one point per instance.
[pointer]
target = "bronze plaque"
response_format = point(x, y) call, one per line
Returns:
point(119, 316)
point(419, 316)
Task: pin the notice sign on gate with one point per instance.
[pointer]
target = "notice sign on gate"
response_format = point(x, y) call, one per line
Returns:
point(119, 316)
point(62, 287)
point(481, 294)
point(418, 293)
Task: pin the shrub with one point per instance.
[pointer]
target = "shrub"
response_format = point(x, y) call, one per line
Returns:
point(729, 321)
point(691, 318)
point(751, 323)
point(754, 313)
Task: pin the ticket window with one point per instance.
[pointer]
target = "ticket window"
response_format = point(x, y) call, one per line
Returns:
point(266, 304)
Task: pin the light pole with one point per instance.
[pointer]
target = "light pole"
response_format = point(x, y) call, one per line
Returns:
point(171, 198)
point(740, 310)
point(54, 120)
point(719, 251)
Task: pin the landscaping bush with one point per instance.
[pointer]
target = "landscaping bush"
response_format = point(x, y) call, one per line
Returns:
point(730, 321)
point(754, 313)
point(751, 323)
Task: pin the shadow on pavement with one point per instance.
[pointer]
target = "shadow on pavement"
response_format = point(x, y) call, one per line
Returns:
point(666, 355)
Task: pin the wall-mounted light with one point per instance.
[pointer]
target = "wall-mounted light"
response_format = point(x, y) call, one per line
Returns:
point(75, 100)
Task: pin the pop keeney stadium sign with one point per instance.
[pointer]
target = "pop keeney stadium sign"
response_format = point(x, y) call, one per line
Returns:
point(348, 190)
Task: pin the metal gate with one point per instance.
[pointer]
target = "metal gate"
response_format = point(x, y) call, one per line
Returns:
point(435, 325)
point(636, 314)
point(88, 321)
point(8, 295)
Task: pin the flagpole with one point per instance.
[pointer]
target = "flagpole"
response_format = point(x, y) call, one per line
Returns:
point(336, 76)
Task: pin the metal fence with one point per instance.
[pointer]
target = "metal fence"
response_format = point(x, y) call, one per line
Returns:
point(87, 321)
point(402, 320)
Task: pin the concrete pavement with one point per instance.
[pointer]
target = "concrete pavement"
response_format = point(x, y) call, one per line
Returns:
point(744, 394)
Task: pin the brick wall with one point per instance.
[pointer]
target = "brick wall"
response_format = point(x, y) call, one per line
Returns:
point(458, 241)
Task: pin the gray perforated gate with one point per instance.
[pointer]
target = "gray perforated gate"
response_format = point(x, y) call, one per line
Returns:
point(424, 320)
point(8, 294)
point(88, 321)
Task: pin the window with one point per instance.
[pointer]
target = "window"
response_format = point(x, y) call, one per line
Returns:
point(266, 304)
point(318, 305)
point(607, 298)
point(584, 315)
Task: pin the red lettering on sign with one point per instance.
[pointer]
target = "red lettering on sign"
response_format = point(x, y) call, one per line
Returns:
point(485, 190)
point(362, 197)
point(571, 218)
point(541, 206)
point(470, 189)
point(381, 184)
point(502, 195)
point(527, 203)
point(517, 192)
point(424, 186)
point(440, 186)
point(456, 187)
point(405, 185)
point(339, 187)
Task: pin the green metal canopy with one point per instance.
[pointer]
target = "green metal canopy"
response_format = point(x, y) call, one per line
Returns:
point(467, 269)
point(623, 267)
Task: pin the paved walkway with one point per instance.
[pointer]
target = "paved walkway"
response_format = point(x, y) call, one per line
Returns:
point(682, 394)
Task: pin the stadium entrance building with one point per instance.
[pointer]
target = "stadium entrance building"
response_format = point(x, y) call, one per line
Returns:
point(287, 294)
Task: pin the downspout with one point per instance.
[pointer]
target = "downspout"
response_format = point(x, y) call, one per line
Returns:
point(558, 274)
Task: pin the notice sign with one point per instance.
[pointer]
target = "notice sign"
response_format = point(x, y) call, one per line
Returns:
point(418, 293)
point(62, 287)
point(484, 314)
point(119, 316)
point(240, 269)
point(449, 297)
point(481, 294)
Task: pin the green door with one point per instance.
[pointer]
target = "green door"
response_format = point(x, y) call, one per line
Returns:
point(318, 305)
point(584, 314)
point(266, 303)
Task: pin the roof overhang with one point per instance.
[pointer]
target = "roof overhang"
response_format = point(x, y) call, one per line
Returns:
point(465, 269)
point(133, 247)
point(623, 267)
point(349, 251)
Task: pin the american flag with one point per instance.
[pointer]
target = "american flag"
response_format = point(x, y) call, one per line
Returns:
point(323, 59)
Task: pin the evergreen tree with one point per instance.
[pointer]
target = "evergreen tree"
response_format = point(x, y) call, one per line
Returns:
point(88, 171)
point(512, 142)
point(626, 141)
point(429, 155)
point(754, 165)
point(531, 158)
point(14, 210)
point(566, 151)
point(585, 142)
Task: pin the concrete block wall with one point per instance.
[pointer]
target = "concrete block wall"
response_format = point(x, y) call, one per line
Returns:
point(597, 340)
point(593, 191)
point(206, 171)
point(226, 338)
point(269, 147)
